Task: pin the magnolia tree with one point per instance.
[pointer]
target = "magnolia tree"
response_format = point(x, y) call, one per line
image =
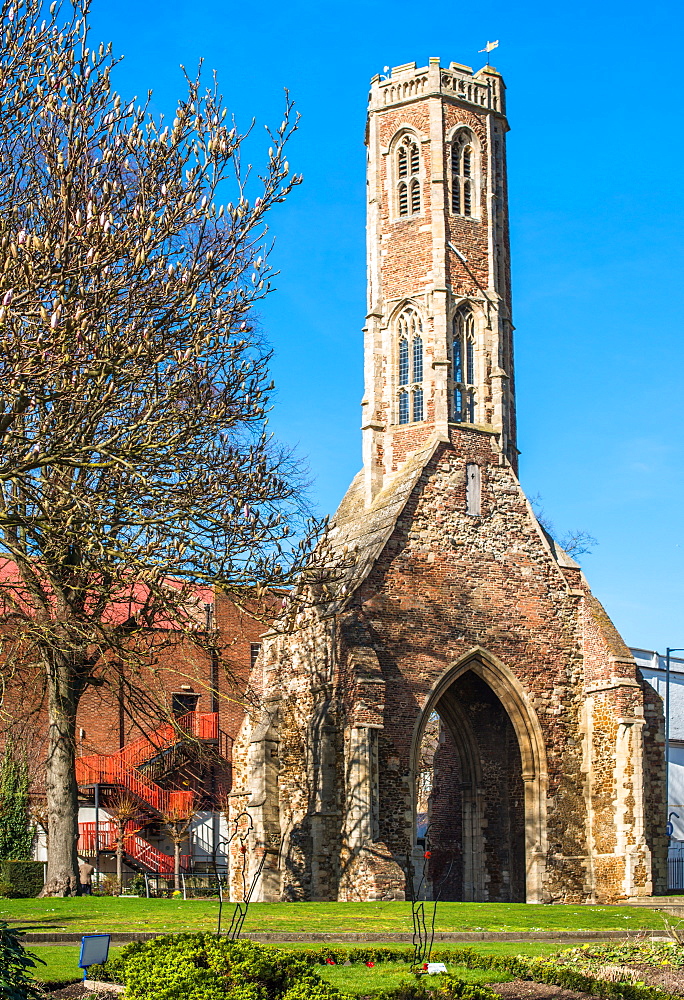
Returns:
point(134, 460)
point(177, 820)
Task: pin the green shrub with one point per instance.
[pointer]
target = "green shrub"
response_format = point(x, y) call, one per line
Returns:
point(204, 967)
point(138, 886)
point(24, 878)
point(15, 966)
point(16, 830)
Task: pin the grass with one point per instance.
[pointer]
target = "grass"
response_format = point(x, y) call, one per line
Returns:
point(88, 914)
point(362, 980)
point(62, 966)
point(61, 962)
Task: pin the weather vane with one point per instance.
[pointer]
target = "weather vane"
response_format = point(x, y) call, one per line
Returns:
point(489, 47)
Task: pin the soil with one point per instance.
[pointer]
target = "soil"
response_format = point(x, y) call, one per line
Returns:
point(524, 989)
point(75, 991)
point(666, 977)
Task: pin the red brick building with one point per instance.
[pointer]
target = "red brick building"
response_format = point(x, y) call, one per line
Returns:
point(162, 735)
point(453, 607)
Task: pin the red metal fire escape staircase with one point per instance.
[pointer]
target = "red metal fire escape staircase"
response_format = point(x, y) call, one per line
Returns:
point(120, 771)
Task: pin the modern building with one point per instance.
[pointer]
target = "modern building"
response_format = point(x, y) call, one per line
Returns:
point(669, 685)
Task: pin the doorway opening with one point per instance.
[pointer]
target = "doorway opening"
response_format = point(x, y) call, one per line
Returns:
point(470, 797)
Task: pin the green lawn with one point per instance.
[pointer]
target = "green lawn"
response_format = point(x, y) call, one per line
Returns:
point(360, 979)
point(88, 914)
point(61, 962)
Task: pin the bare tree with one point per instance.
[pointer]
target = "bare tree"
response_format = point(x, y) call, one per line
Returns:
point(177, 819)
point(134, 459)
point(576, 543)
point(123, 809)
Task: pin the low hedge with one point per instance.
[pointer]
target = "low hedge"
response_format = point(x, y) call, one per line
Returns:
point(204, 967)
point(21, 879)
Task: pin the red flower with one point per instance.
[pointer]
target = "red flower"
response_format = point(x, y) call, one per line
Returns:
point(371, 965)
point(428, 854)
point(329, 961)
point(425, 966)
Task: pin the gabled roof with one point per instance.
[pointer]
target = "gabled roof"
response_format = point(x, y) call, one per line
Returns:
point(358, 533)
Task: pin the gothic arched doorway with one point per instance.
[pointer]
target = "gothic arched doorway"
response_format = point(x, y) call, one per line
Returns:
point(480, 787)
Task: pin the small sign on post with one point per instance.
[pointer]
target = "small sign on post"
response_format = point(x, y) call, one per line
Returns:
point(434, 968)
point(94, 951)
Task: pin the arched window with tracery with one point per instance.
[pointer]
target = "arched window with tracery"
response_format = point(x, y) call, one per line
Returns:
point(410, 367)
point(463, 366)
point(463, 180)
point(408, 177)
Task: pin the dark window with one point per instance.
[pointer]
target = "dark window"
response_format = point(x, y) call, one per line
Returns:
point(254, 650)
point(403, 407)
point(403, 361)
point(417, 359)
point(410, 367)
point(470, 354)
point(417, 404)
point(463, 382)
point(408, 168)
point(415, 159)
point(415, 197)
point(467, 198)
point(462, 176)
point(182, 703)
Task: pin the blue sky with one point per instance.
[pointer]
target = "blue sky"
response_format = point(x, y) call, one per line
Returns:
point(596, 204)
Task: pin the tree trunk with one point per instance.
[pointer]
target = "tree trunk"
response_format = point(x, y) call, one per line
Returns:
point(119, 859)
point(62, 792)
point(176, 864)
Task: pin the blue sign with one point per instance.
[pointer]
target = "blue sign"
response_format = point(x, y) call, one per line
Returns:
point(94, 951)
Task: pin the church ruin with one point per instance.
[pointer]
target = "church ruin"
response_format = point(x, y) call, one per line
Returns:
point(464, 710)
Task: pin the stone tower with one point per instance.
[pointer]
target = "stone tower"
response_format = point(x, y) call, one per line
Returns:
point(456, 687)
point(438, 264)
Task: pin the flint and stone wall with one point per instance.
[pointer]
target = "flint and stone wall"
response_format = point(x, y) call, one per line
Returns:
point(554, 764)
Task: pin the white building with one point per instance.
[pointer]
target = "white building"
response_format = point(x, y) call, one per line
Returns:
point(653, 667)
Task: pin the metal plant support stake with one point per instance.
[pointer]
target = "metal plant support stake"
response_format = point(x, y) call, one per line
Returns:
point(423, 936)
point(241, 907)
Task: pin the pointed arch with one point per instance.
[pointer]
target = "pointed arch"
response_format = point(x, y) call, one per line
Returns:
point(405, 162)
point(408, 339)
point(463, 375)
point(463, 147)
point(508, 689)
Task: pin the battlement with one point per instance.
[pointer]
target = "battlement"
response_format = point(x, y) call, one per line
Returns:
point(484, 88)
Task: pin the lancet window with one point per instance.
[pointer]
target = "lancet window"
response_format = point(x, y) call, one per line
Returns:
point(463, 189)
point(463, 367)
point(408, 179)
point(410, 367)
